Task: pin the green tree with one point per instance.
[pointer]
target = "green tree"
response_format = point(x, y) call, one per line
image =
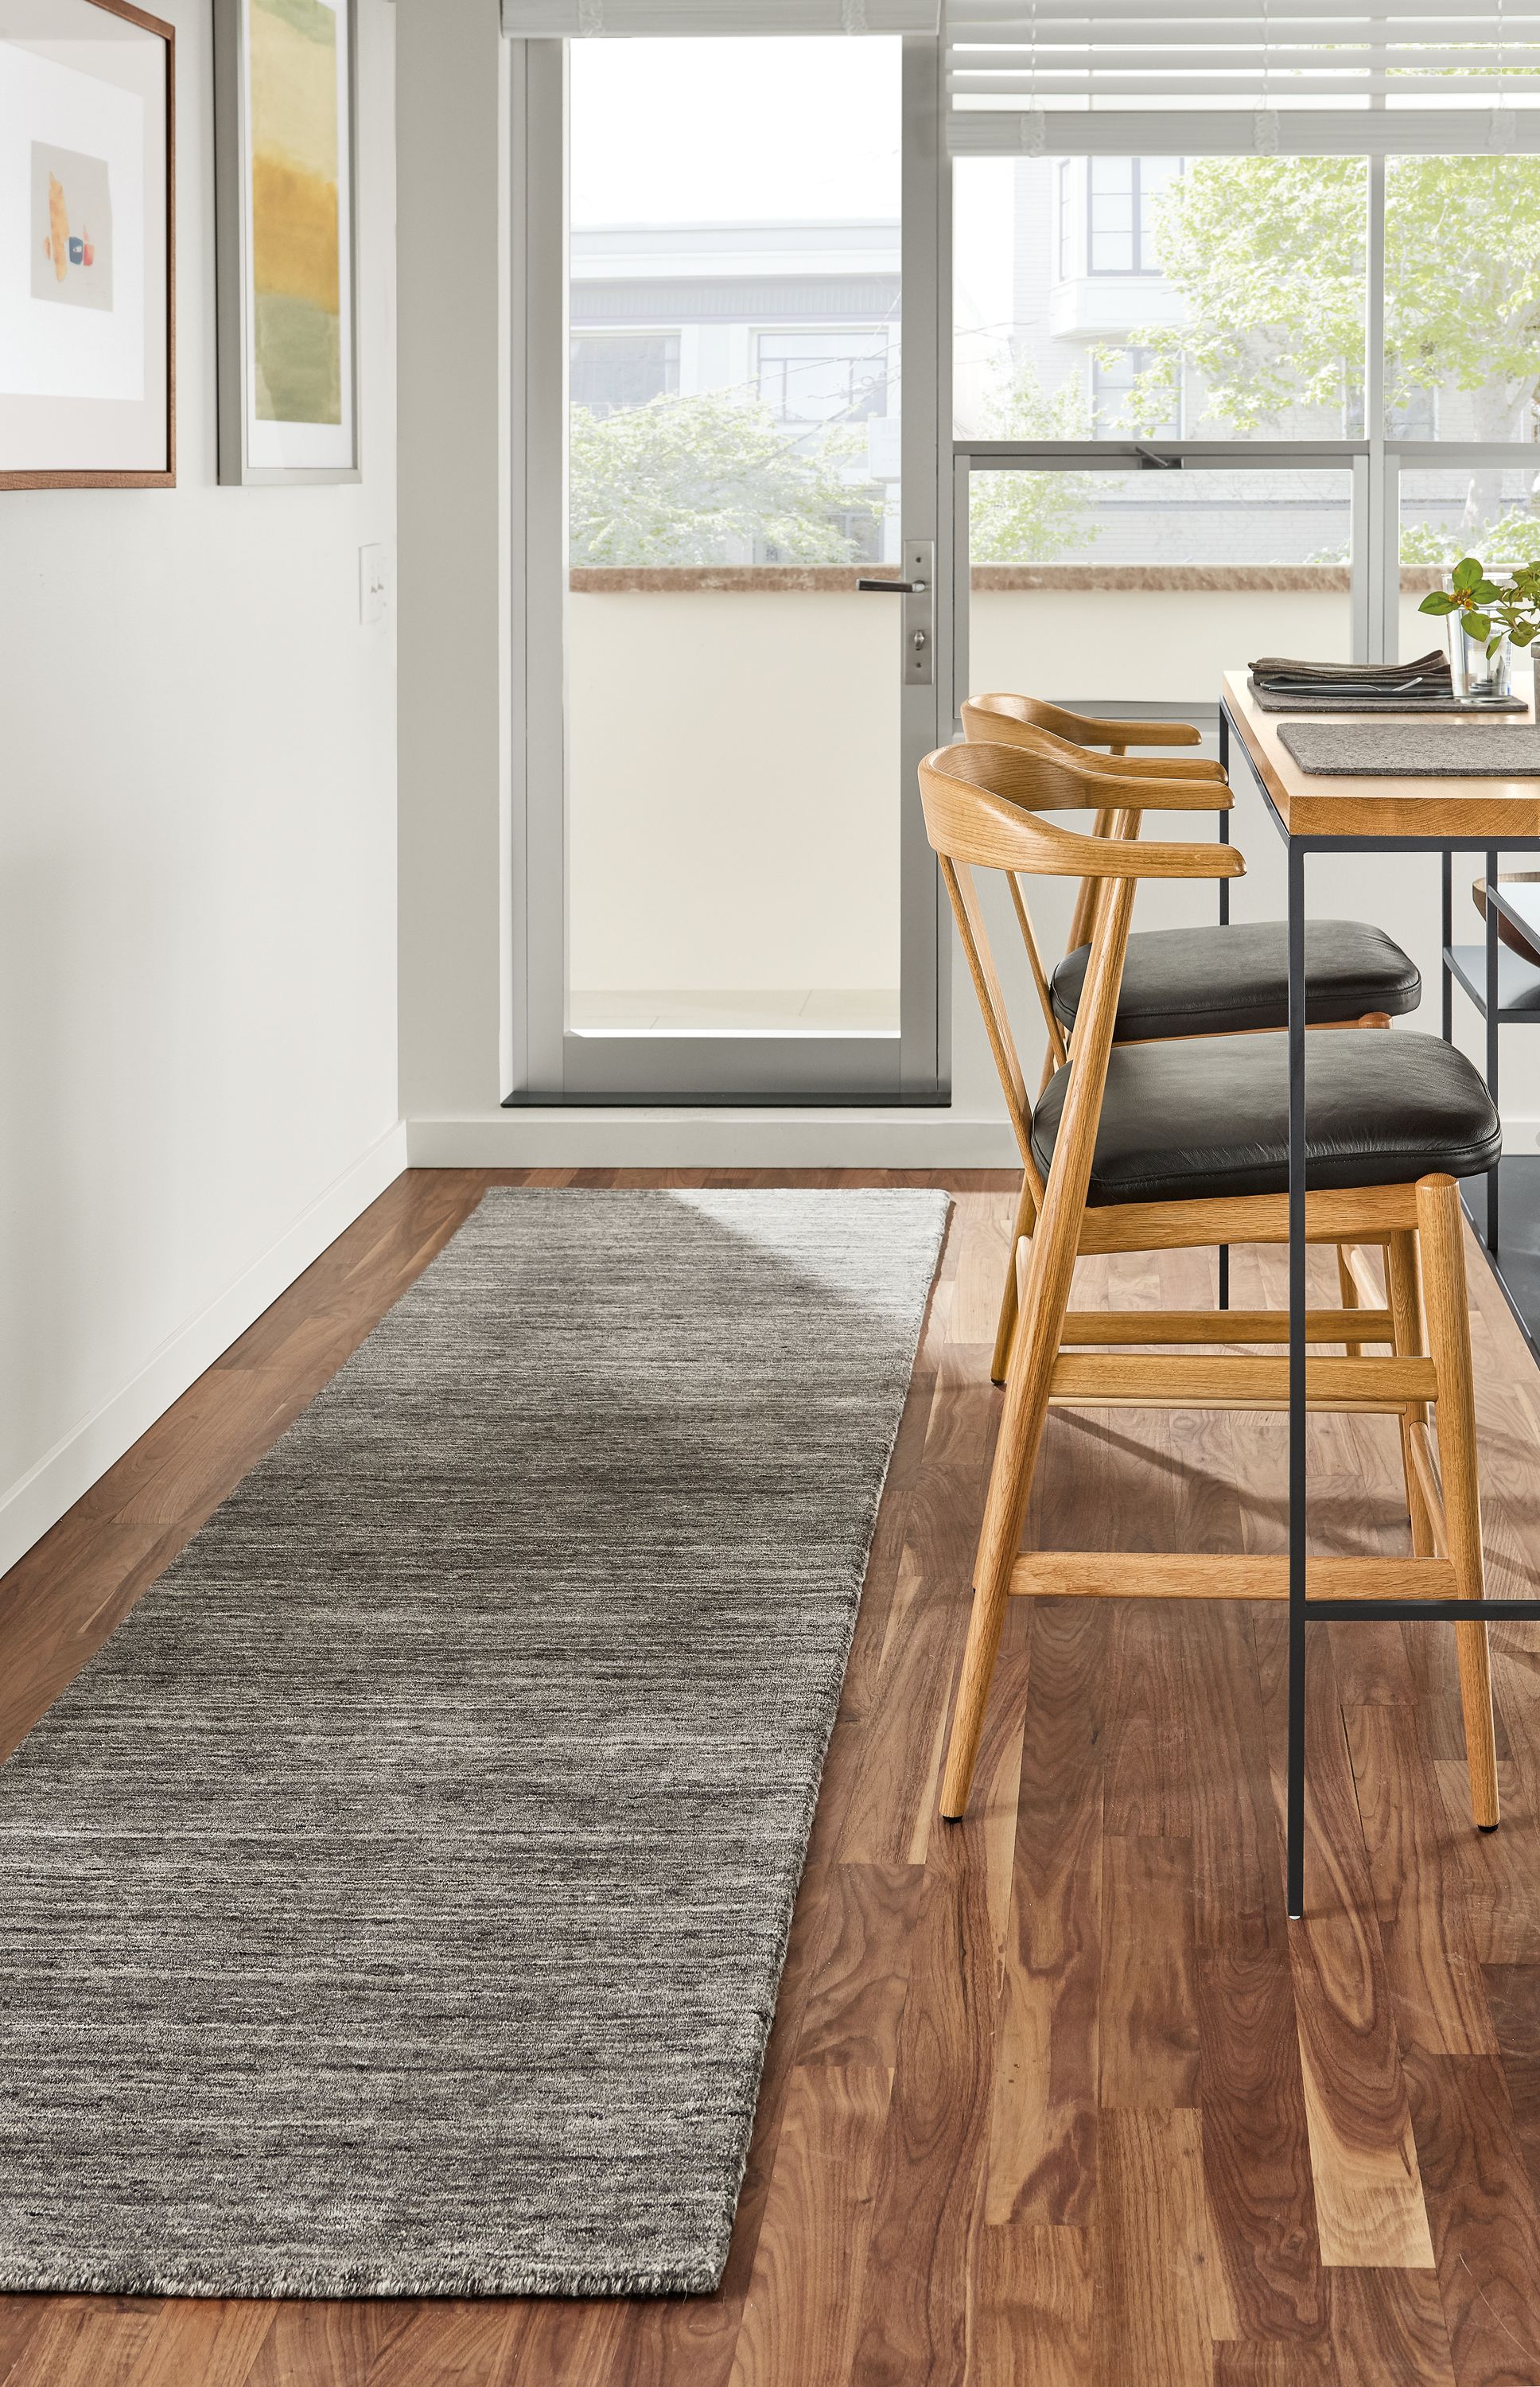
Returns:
point(1030, 517)
point(1510, 539)
point(1267, 257)
point(1462, 285)
point(689, 480)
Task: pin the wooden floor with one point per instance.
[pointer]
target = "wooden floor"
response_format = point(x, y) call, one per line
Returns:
point(1057, 2095)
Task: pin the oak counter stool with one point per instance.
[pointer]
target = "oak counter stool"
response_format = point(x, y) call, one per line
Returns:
point(1150, 1146)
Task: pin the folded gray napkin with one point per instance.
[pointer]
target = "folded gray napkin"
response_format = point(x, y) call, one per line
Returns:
point(1428, 675)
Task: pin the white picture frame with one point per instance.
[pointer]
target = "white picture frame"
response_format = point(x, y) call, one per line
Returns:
point(287, 150)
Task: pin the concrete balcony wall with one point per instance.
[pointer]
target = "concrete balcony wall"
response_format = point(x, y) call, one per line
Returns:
point(733, 745)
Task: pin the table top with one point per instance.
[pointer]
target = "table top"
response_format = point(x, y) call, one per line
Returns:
point(1312, 804)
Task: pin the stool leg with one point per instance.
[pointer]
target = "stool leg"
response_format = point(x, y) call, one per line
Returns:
point(1349, 1286)
point(1440, 1232)
point(1404, 1289)
point(1015, 1452)
point(1026, 1218)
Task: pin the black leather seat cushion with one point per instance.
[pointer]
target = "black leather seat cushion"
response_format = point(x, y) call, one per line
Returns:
point(1211, 1116)
point(1212, 981)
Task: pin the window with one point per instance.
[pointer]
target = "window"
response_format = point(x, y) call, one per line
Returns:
point(1113, 375)
point(1122, 198)
point(611, 370)
point(834, 376)
point(1462, 312)
point(1065, 221)
point(1114, 240)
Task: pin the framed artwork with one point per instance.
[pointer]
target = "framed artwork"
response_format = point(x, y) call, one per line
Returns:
point(87, 247)
point(285, 127)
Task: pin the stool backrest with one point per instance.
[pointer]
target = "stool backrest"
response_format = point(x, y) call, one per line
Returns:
point(1049, 774)
point(982, 805)
point(1041, 728)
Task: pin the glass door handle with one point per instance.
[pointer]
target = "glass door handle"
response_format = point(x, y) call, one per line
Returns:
point(899, 588)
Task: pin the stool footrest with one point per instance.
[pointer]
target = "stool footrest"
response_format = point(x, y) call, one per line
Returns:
point(1202, 1380)
point(1135, 1574)
point(1136, 1326)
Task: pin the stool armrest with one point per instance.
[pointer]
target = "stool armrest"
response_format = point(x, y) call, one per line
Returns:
point(1107, 793)
point(997, 715)
point(1156, 766)
point(967, 821)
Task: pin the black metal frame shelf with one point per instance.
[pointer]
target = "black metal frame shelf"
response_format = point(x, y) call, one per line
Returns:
point(1517, 982)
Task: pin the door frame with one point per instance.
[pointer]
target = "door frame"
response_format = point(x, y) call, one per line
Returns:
point(545, 1062)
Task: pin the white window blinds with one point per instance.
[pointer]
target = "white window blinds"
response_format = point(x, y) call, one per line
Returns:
point(685, 17)
point(1049, 76)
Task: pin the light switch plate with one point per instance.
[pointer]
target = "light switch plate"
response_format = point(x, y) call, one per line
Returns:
point(373, 583)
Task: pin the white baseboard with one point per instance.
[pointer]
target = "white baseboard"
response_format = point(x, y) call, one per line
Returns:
point(79, 1457)
point(601, 1138)
point(560, 1138)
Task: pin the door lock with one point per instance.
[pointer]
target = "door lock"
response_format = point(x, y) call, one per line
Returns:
point(917, 589)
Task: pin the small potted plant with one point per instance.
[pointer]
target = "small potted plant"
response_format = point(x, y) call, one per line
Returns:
point(1487, 619)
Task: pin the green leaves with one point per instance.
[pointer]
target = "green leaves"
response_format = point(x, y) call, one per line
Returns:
point(1032, 517)
point(1267, 256)
point(1493, 610)
point(694, 479)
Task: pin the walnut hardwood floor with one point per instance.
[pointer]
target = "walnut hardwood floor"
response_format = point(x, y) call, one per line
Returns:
point(1057, 2095)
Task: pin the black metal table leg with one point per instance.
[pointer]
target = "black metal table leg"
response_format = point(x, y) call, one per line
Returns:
point(1224, 923)
point(1298, 1415)
point(1445, 940)
point(1494, 1006)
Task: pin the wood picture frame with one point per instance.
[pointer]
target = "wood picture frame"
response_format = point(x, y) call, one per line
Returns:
point(286, 222)
point(87, 310)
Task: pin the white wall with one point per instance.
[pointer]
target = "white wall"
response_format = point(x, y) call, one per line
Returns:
point(456, 500)
point(198, 879)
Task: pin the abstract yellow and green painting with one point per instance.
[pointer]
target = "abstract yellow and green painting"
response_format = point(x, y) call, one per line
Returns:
point(296, 237)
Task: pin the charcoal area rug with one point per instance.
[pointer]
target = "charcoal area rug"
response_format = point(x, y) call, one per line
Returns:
point(397, 1903)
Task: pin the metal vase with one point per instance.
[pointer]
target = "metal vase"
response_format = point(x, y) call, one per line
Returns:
point(1478, 677)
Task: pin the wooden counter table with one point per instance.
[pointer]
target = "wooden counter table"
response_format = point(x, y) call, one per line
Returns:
point(1315, 814)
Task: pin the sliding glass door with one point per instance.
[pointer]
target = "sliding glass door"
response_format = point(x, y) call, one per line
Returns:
point(747, 287)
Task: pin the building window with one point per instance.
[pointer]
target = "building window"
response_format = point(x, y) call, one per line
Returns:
point(1066, 220)
point(1120, 204)
point(834, 376)
point(1112, 377)
point(614, 369)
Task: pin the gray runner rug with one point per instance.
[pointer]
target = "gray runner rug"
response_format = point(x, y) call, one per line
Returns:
point(397, 1903)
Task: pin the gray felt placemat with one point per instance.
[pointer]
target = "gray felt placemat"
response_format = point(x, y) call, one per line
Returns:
point(1406, 749)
